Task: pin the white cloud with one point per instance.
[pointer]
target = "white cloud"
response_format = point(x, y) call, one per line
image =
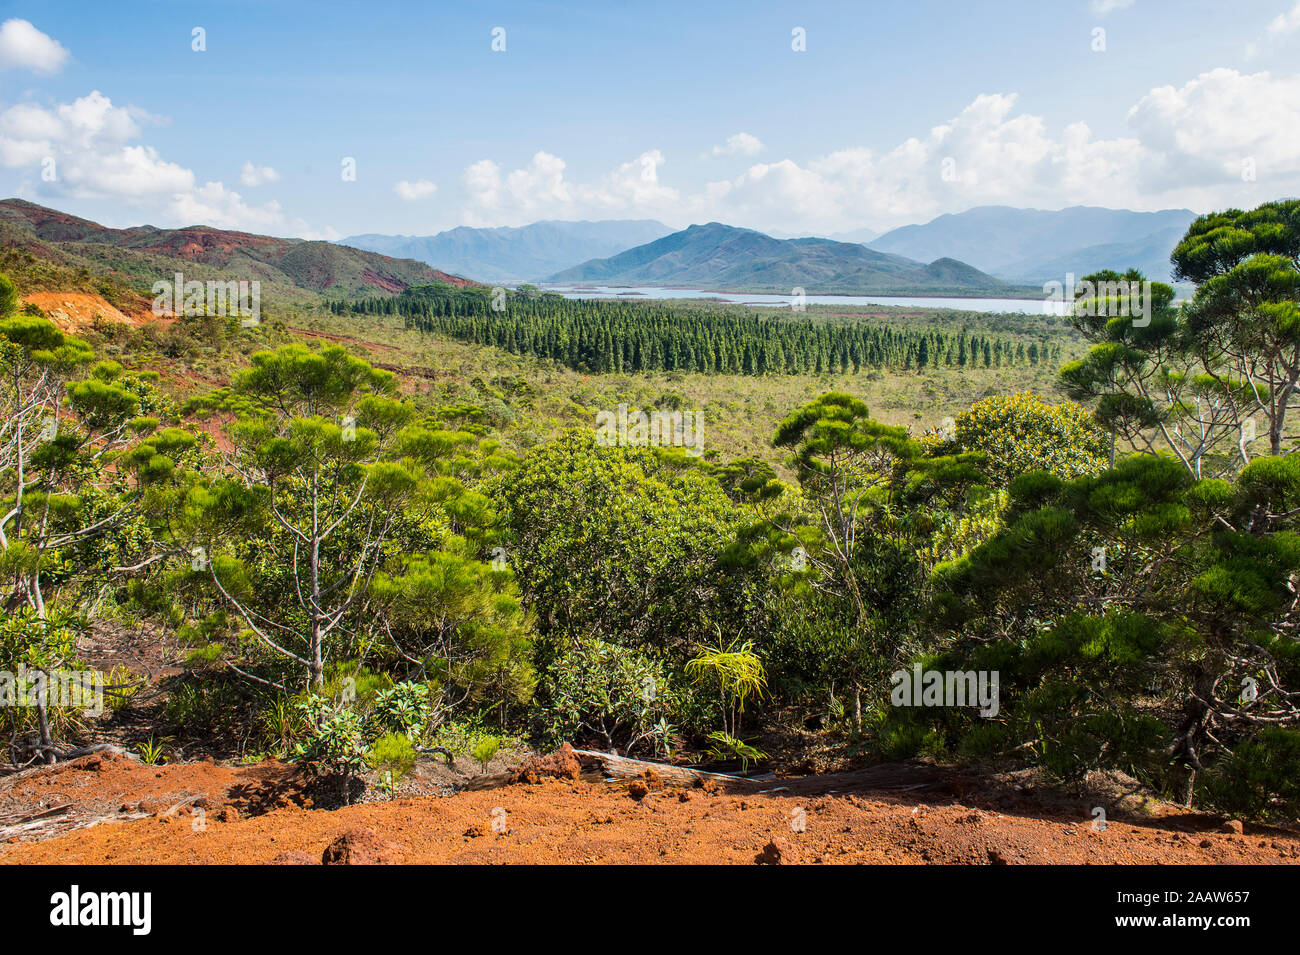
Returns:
point(541, 190)
point(87, 143)
point(987, 154)
point(410, 191)
point(24, 46)
point(1185, 146)
point(89, 146)
point(739, 144)
point(215, 205)
point(1284, 24)
point(251, 175)
point(1103, 7)
point(1199, 134)
point(1279, 28)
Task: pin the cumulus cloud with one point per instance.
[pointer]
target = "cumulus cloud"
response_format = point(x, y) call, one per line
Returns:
point(987, 154)
point(85, 145)
point(22, 46)
point(88, 149)
point(540, 190)
point(1103, 7)
point(739, 144)
point(410, 191)
point(213, 204)
point(1200, 134)
point(251, 175)
point(1185, 146)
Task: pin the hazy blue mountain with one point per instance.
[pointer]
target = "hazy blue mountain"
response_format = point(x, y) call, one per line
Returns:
point(855, 235)
point(863, 236)
point(725, 258)
point(1036, 245)
point(516, 254)
point(1149, 253)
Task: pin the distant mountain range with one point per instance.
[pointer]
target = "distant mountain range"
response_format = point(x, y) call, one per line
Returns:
point(1035, 245)
point(294, 269)
point(855, 235)
point(1019, 247)
point(986, 251)
point(523, 254)
point(725, 258)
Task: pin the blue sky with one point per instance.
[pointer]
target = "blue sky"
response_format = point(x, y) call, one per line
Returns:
point(685, 112)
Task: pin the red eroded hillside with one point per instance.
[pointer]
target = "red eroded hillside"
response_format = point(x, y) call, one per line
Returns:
point(306, 264)
point(204, 244)
point(72, 311)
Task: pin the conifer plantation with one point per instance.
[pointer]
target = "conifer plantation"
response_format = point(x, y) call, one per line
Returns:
point(602, 336)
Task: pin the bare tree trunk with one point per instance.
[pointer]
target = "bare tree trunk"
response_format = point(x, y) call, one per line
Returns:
point(43, 716)
point(316, 675)
point(42, 678)
point(316, 669)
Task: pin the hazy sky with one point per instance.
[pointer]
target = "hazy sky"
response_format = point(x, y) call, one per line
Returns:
point(686, 112)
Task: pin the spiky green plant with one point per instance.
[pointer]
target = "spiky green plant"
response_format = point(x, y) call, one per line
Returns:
point(724, 746)
point(738, 674)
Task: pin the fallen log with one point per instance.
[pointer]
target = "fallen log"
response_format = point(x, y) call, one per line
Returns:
point(98, 748)
point(494, 781)
point(615, 769)
point(62, 824)
point(599, 767)
point(897, 777)
point(607, 768)
point(7, 822)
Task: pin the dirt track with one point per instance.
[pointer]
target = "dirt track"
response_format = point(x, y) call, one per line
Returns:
point(566, 821)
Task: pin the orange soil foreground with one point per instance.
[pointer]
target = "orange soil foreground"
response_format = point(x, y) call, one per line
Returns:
point(566, 821)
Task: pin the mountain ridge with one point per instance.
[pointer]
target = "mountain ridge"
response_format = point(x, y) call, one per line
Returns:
point(1035, 245)
point(729, 258)
point(144, 254)
point(510, 254)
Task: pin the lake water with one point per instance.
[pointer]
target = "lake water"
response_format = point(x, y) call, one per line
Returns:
point(1028, 306)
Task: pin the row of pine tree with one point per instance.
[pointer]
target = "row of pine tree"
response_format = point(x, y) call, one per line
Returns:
point(601, 336)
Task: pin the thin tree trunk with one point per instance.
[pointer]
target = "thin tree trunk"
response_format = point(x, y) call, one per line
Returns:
point(42, 678)
point(43, 716)
point(316, 673)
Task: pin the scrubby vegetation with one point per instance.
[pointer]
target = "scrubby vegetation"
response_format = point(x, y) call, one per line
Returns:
point(364, 562)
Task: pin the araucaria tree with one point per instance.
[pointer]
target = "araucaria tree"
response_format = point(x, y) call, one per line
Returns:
point(1243, 322)
point(78, 457)
point(852, 538)
point(314, 458)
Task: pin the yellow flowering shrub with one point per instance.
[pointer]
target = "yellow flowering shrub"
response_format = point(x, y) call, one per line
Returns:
point(1022, 432)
